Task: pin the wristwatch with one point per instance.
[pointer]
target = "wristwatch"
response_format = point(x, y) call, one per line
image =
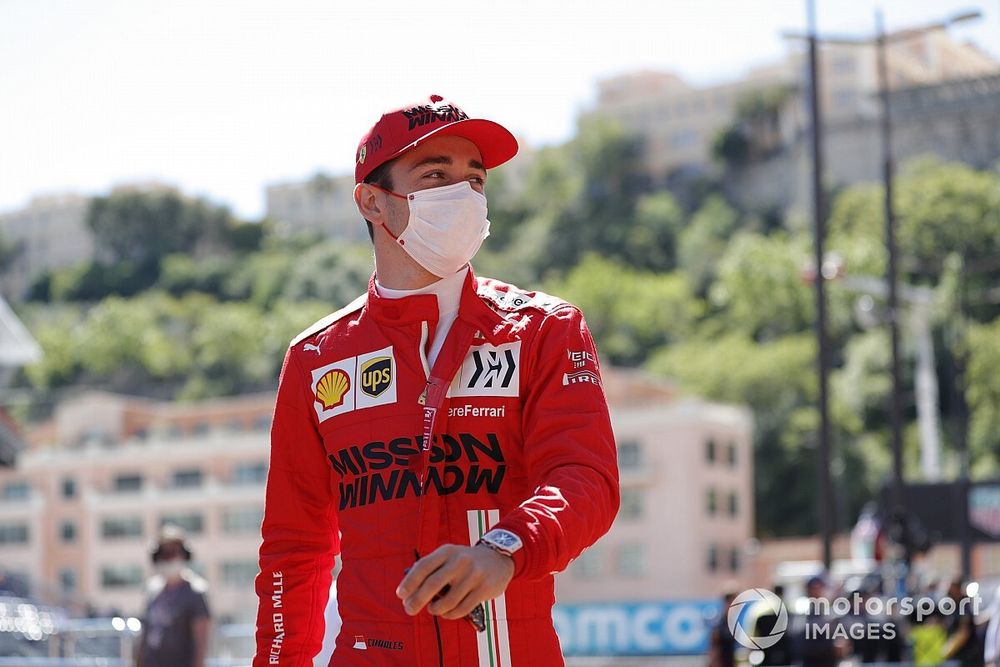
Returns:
point(502, 541)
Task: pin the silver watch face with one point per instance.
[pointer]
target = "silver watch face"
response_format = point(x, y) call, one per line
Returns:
point(504, 539)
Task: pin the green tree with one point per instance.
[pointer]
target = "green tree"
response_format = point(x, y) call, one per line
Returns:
point(760, 289)
point(330, 272)
point(776, 380)
point(141, 227)
point(630, 313)
point(702, 243)
point(607, 164)
point(983, 395)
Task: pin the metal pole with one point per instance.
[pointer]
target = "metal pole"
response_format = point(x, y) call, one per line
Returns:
point(964, 485)
point(895, 406)
point(826, 522)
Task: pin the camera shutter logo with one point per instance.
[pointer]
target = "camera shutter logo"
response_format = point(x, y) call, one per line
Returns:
point(739, 619)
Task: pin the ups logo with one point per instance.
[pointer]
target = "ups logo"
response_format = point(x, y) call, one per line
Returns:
point(376, 376)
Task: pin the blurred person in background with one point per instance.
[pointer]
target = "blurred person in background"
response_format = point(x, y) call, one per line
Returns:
point(175, 628)
point(454, 429)
point(721, 643)
point(963, 641)
point(991, 638)
point(781, 652)
point(814, 648)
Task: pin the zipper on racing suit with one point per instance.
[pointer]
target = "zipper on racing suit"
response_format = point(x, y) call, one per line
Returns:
point(432, 400)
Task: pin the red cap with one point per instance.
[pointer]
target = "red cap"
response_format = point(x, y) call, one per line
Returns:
point(401, 129)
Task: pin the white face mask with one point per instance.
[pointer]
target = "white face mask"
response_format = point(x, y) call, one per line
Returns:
point(446, 227)
point(170, 569)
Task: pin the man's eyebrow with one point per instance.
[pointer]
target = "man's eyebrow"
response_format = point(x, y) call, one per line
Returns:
point(444, 159)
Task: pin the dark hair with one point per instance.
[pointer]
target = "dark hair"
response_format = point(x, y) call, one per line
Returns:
point(381, 177)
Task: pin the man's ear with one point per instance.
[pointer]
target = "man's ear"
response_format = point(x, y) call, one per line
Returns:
point(367, 199)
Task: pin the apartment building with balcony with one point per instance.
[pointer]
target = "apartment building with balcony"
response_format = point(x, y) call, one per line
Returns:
point(687, 515)
point(79, 512)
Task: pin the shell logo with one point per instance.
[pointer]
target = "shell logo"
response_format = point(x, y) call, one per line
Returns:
point(332, 387)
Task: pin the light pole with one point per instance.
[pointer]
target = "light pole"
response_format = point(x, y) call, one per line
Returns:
point(880, 41)
point(826, 520)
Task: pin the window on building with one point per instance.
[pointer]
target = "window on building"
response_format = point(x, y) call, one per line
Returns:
point(250, 473)
point(17, 491)
point(121, 527)
point(67, 532)
point(128, 483)
point(629, 454)
point(190, 522)
point(683, 139)
point(712, 560)
point(734, 559)
point(843, 64)
point(201, 428)
point(242, 520)
point(734, 504)
point(845, 98)
point(121, 576)
point(711, 502)
point(67, 580)
point(262, 423)
point(631, 561)
point(239, 573)
point(732, 456)
point(632, 502)
point(69, 488)
point(589, 564)
point(189, 478)
point(13, 533)
point(710, 448)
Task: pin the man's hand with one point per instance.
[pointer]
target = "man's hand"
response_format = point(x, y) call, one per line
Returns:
point(473, 574)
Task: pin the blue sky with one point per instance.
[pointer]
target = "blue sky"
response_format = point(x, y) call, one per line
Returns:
point(222, 97)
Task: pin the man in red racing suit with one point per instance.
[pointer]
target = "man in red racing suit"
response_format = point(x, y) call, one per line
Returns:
point(481, 469)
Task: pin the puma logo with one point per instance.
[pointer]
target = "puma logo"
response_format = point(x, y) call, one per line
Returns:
point(310, 346)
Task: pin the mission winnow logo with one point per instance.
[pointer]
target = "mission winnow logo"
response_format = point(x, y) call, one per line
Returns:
point(378, 472)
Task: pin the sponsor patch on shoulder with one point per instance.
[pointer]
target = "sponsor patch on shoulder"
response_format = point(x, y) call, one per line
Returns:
point(582, 368)
point(515, 299)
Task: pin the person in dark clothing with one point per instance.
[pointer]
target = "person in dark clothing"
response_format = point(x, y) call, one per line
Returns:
point(721, 643)
point(963, 642)
point(781, 652)
point(817, 648)
point(176, 624)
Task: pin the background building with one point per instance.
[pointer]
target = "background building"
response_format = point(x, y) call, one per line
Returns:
point(322, 205)
point(85, 502)
point(678, 123)
point(49, 233)
point(687, 510)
